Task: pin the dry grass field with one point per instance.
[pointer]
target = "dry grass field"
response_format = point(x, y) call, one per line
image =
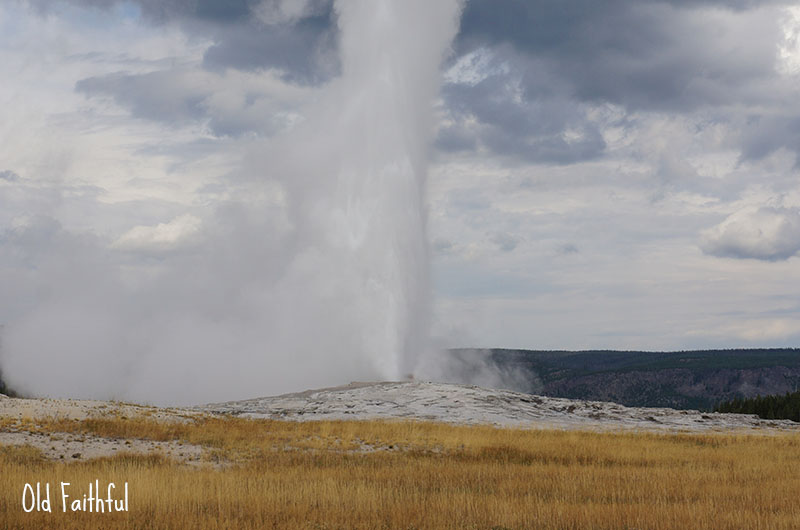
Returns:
point(326, 475)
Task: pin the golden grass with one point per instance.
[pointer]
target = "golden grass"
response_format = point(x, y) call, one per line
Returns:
point(420, 475)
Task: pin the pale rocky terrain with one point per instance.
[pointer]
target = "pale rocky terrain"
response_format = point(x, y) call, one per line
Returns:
point(471, 405)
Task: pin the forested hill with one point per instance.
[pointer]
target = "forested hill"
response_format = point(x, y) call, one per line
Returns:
point(783, 407)
point(684, 379)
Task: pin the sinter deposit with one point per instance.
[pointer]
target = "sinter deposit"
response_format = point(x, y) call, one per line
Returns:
point(473, 405)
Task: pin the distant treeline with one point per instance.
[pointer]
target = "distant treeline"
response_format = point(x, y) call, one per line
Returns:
point(778, 407)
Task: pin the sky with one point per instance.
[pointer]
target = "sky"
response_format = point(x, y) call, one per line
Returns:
point(599, 175)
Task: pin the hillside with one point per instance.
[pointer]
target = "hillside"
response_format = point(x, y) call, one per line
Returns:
point(682, 380)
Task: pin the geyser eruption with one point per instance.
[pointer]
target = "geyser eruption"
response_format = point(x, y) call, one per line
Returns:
point(313, 272)
point(391, 56)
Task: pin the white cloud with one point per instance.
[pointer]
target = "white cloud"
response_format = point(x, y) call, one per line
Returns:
point(474, 67)
point(765, 233)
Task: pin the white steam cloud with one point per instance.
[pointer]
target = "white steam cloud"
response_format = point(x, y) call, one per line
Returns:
point(479, 368)
point(314, 273)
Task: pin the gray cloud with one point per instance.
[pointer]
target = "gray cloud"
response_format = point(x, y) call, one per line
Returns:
point(162, 11)
point(499, 113)
point(553, 61)
point(305, 51)
point(230, 106)
point(9, 176)
point(770, 234)
point(281, 11)
point(642, 55)
point(505, 241)
point(568, 248)
point(170, 96)
point(764, 134)
point(442, 246)
point(301, 44)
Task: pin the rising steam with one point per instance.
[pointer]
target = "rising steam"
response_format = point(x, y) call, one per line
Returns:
point(316, 273)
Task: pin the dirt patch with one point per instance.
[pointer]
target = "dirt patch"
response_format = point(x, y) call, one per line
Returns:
point(75, 447)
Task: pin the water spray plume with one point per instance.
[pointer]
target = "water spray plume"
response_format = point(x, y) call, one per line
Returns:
point(391, 57)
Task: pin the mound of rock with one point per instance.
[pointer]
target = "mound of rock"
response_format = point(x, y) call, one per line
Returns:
point(462, 404)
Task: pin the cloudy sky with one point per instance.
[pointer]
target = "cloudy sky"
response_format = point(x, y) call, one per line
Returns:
point(619, 174)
